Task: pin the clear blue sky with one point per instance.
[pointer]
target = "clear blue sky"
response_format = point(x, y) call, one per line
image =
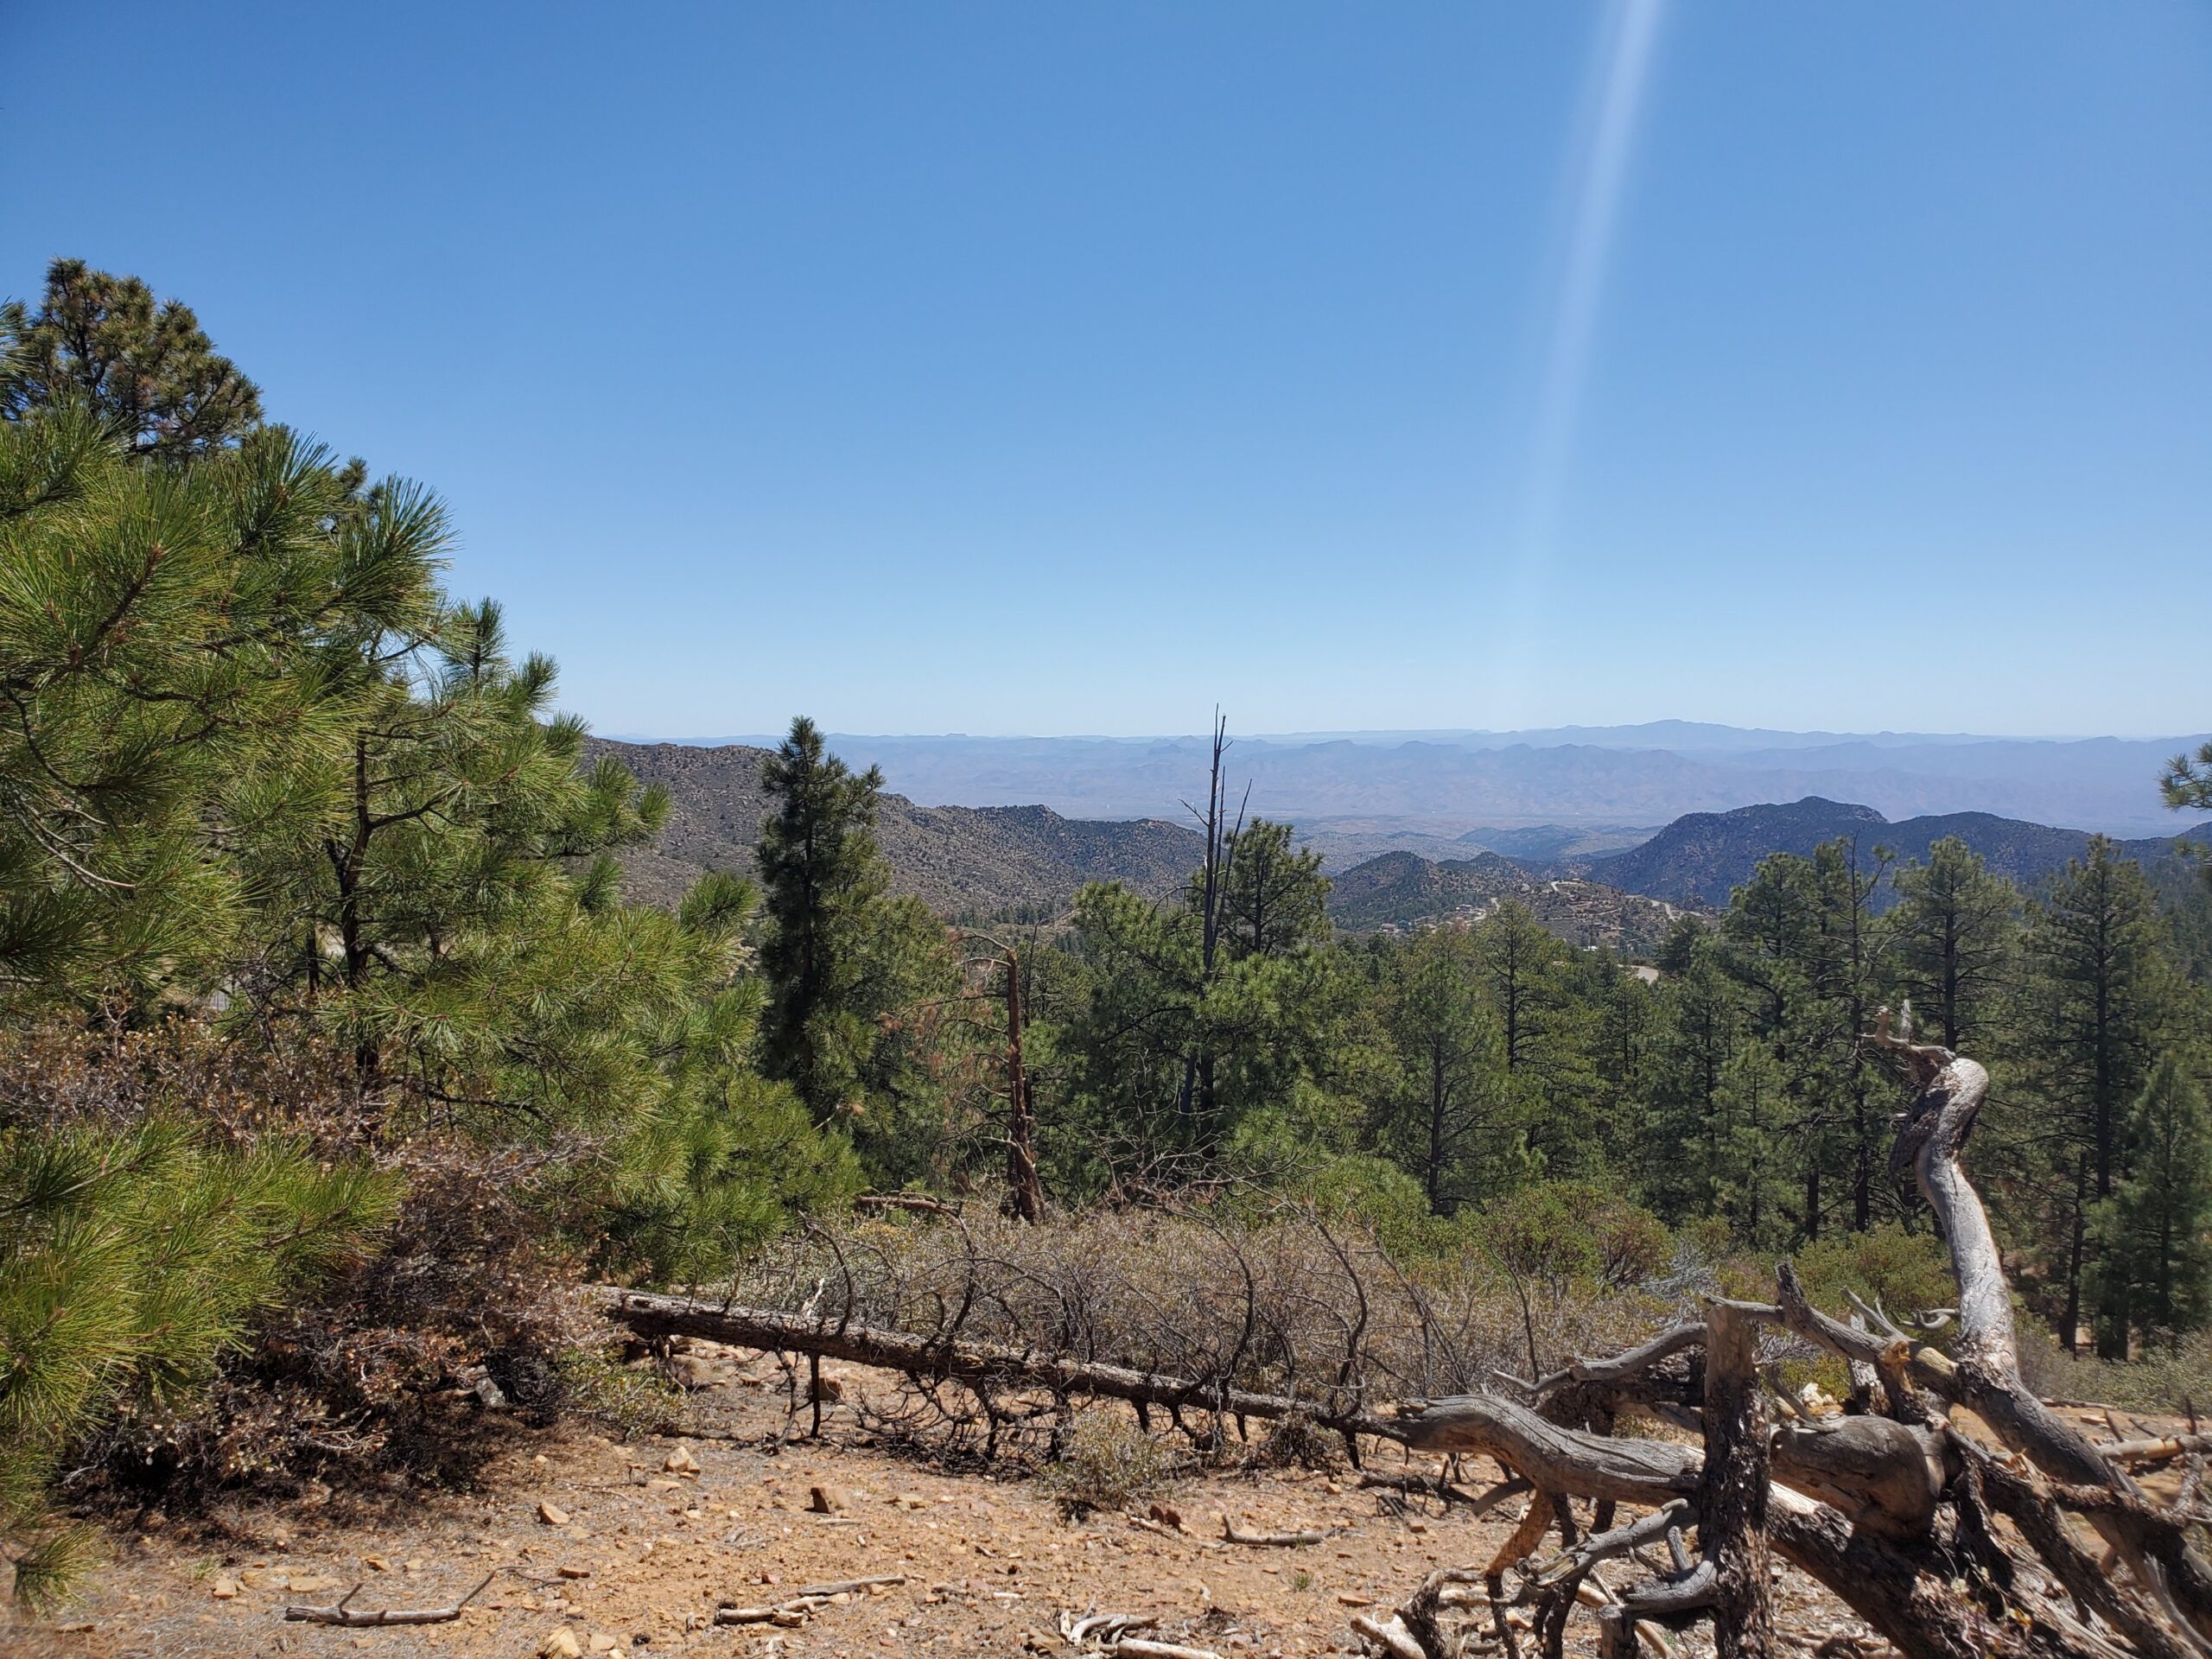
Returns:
point(1071, 367)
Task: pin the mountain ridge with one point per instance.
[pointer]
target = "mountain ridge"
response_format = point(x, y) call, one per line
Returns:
point(957, 860)
point(1700, 858)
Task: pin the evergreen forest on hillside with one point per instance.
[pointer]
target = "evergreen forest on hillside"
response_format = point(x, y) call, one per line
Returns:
point(336, 1055)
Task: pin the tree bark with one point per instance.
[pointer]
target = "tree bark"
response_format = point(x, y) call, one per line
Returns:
point(1733, 1497)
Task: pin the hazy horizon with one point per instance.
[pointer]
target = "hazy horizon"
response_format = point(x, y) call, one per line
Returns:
point(1416, 733)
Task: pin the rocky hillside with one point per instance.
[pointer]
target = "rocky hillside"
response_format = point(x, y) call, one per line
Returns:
point(1401, 890)
point(961, 860)
point(1697, 859)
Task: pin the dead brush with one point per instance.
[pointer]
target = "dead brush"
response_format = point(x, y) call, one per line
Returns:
point(1107, 1462)
point(1295, 1443)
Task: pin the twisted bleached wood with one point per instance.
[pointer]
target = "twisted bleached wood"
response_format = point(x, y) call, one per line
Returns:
point(1984, 1374)
point(1556, 1460)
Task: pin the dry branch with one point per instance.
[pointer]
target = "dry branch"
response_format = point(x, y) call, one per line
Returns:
point(368, 1618)
point(980, 1364)
point(1275, 1540)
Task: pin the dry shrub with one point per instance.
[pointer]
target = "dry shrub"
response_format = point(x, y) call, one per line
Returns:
point(1107, 1462)
point(1293, 1443)
point(459, 1325)
point(1284, 1302)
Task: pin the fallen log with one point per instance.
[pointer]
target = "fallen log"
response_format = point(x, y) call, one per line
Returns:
point(989, 1365)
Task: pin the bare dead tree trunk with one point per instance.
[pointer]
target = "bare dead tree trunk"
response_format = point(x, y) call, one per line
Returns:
point(1028, 1193)
point(1733, 1497)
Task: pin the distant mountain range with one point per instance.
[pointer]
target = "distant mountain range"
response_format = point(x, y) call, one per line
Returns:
point(959, 860)
point(1419, 786)
point(1003, 860)
point(1700, 859)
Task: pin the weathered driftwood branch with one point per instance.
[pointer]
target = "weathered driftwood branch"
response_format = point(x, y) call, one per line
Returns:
point(1231, 1534)
point(794, 1608)
point(979, 1363)
point(368, 1618)
point(1985, 1374)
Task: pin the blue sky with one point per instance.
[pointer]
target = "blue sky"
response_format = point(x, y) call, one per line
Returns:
point(1074, 367)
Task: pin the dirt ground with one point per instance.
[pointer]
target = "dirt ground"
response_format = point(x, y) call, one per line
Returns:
point(583, 1534)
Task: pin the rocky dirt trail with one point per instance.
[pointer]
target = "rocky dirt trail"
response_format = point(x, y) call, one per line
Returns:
point(591, 1545)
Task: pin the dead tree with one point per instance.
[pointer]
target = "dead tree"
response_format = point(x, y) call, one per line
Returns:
point(1028, 1193)
point(1894, 1513)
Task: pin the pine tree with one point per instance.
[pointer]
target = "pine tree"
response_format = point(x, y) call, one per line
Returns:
point(1956, 931)
point(2095, 1000)
point(1542, 1037)
point(1685, 1135)
point(2152, 1237)
point(145, 368)
point(1274, 898)
point(1769, 939)
point(1847, 973)
point(824, 877)
point(1450, 1114)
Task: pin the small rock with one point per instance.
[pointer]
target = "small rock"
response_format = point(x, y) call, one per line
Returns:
point(552, 1515)
point(376, 1563)
point(602, 1642)
point(560, 1644)
point(824, 1500)
point(691, 1373)
point(308, 1583)
point(223, 1589)
point(571, 1571)
point(680, 1461)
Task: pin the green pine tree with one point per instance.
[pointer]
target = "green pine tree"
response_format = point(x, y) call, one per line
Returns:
point(2095, 1000)
point(2152, 1237)
point(144, 368)
point(1956, 931)
point(824, 879)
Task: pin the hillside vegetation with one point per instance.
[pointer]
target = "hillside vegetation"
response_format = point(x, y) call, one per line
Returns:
point(1401, 890)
